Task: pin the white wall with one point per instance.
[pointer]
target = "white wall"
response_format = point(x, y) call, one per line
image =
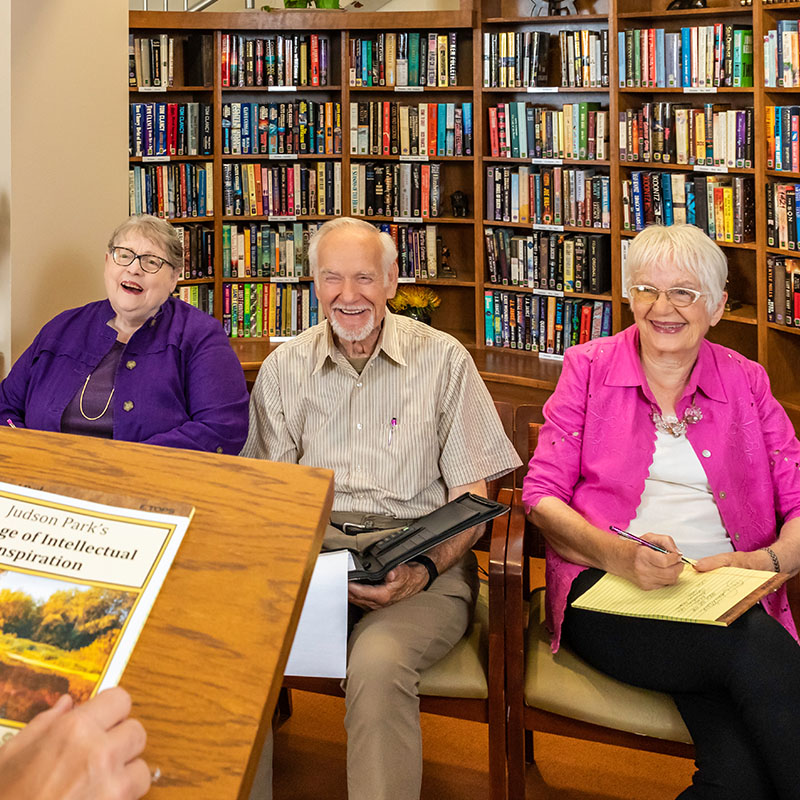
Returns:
point(63, 157)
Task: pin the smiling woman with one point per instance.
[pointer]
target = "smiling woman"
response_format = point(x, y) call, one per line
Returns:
point(139, 366)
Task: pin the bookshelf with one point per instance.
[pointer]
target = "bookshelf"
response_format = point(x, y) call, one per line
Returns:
point(520, 376)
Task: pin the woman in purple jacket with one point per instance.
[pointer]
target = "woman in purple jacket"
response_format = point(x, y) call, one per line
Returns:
point(141, 366)
point(679, 441)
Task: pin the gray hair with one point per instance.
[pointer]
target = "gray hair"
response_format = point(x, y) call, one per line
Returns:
point(687, 248)
point(385, 242)
point(158, 231)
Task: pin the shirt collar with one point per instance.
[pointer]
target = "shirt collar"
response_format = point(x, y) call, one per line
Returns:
point(388, 342)
point(626, 368)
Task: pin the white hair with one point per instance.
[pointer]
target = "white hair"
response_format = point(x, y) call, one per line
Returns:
point(385, 243)
point(685, 247)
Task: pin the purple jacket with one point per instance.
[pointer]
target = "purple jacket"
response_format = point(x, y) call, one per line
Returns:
point(178, 384)
point(596, 447)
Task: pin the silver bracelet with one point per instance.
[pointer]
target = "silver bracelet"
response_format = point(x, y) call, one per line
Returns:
point(775, 562)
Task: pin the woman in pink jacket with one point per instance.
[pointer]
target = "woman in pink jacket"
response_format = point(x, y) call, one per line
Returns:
point(679, 441)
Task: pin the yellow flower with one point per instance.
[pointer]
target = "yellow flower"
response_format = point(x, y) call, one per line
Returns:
point(411, 296)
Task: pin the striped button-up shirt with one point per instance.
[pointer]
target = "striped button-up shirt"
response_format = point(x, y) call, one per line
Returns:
point(417, 421)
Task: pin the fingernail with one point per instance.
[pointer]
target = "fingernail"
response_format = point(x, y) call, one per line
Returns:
point(155, 775)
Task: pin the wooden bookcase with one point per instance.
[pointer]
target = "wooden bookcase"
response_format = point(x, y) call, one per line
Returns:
point(512, 375)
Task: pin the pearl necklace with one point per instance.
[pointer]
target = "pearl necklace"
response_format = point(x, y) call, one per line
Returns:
point(677, 427)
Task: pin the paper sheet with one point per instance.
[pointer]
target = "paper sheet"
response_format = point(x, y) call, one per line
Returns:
point(703, 597)
point(77, 582)
point(320, 643)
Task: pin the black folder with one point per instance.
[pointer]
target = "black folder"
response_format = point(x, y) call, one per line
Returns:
point(405, 544)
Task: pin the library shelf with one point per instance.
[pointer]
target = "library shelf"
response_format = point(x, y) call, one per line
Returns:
point(171, 159)
point(545, 161)
point(689, 13)
point(545, 228)
point(775, 326)
point(281, 156)
point(298, 91)
point(699, 169)
point(409, 90)
point(156, 92)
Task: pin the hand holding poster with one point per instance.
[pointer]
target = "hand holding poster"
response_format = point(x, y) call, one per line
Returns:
point(77, 581)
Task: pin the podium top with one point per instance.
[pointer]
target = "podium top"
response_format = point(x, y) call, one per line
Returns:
point(205, 674)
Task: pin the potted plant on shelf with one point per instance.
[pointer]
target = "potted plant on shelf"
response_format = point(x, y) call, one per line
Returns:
point(417, 302)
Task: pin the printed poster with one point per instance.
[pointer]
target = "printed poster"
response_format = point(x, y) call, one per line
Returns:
point(77, 582)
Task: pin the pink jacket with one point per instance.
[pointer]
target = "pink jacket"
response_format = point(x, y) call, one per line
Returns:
point(596, 447)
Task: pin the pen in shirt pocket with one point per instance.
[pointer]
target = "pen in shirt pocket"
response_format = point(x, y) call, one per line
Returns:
point(392, 426)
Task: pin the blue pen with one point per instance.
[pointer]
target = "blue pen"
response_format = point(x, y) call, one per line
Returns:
point(657, 548)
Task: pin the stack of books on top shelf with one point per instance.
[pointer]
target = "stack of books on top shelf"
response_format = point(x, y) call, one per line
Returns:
point(172, 191)
point(524, 130)
point(782, 55)
point(283, 190)
point(783, 291)
point(701, 57)
point(560, 262)
point(170, 129)
point(544, 324)
point(252, 310)
point(423, 129)
point(297, 127)
point(404, 60)
point(286, 59)
point(721, 205)
point(548, 196)
point(676, 133)
point(783, 138)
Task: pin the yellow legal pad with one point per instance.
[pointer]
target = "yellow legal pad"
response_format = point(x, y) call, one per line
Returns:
point(709, 598)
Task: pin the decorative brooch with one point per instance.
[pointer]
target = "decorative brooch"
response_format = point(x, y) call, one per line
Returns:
point(677, 427)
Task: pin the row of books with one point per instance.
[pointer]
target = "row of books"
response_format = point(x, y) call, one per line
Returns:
point(200, 296)
point(295, 127)
point(266, 251)
point(171, 129)
point(405, 189)
point(286, 59)
point(782, 55)
point(697, 57)
point(422, 129)
point(721, 205)
point(520, 59)
point(783, 290)
point(419, 249)
point(525, 130)
point(783, 138)
point(256, 190)
point(252, 310)
point(714, 135)
point(783, 213)
point(548, 196)
point(404, 59)
point(562, 262)
point(547, 325)
point(151, 60)
point(174, 190)
point(198, 252)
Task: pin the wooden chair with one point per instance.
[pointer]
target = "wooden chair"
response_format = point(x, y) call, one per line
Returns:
point(469, 682)
point(561, 693)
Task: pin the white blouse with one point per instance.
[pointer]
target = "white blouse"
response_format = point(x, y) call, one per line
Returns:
point(677, 501)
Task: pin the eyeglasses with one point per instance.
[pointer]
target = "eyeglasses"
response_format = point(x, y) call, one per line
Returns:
point(678, 295)
point(124, 257)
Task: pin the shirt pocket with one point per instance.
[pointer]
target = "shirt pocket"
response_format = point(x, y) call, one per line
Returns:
point(407, 460)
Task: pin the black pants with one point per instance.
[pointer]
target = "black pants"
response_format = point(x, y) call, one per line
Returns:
point(737, 689)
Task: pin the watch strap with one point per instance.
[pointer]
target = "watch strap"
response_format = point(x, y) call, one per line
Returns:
point(433, 572)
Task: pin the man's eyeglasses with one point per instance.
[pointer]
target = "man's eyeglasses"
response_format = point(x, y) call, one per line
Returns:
point(678, 295)
point(124, 257)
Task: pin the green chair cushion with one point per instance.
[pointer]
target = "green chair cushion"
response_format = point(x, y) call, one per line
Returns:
point(462, 672)
point(565, 684)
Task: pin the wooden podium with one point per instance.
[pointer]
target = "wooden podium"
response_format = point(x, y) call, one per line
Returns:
point(205, 674)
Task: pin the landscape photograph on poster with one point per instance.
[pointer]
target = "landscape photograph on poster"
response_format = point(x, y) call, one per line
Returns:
point(56, 636)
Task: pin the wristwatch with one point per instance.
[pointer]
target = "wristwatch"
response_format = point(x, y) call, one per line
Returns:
point(433, 573)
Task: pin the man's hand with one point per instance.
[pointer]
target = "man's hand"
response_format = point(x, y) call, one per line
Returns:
point(756, 559)
point(401, 582)
point(86, 752)
point(647, 568)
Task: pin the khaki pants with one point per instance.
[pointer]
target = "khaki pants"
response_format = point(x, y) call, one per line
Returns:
point(387, 649)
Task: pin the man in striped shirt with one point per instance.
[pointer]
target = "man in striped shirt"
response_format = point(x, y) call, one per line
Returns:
point(398, 411)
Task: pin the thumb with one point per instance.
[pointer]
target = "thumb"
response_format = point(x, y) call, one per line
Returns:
point(45, 719)
point(712, 562)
